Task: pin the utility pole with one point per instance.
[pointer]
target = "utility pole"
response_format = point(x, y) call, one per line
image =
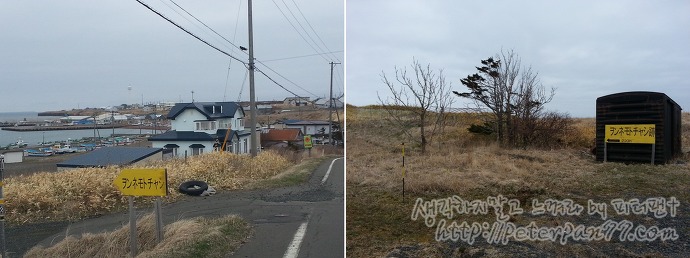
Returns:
point(252, 96)
point(330, 108)
point(3, 245)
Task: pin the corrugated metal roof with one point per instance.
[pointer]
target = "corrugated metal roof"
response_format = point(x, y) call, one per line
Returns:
point(305, 122)
point(110, 156)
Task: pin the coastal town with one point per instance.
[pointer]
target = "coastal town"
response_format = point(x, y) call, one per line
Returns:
point(163, 127)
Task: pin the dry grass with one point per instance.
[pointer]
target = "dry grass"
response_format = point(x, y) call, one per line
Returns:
point(80, 193)
point(185, 238)
point(469, 166)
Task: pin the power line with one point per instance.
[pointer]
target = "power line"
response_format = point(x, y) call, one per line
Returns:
point(238, 47)
point(296, 30)
point(262, 72)
point(294, 57)
point(234, 37)
point(207, 25)
point(303, 29)
point(269, 68)
point(190, 33)
point(226, 53)
point(313, 30)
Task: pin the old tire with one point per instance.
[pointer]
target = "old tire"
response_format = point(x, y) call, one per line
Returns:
point(193, 187)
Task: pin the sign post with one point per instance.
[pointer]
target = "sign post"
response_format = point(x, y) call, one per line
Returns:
point(143, 182)
point(308, 143)
point(633, 133)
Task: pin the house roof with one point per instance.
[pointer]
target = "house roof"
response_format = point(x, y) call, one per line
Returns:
point(282, 135)
point(110, 156)
point(182, 136)
point(211, 110)
point(305, 122)
point(296, 98)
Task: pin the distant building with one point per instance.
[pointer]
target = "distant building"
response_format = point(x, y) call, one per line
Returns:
point(323, 103)
point(261, 109)
point(309, 127)
point(296, 101)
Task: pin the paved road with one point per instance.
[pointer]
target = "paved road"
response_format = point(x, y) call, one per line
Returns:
point(315, 209)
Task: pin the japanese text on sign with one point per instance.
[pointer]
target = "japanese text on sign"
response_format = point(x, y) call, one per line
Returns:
point(644, 133)
point(142, 182)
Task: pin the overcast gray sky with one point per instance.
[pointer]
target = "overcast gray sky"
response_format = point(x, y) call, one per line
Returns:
point(68, 54)
point(586, 49)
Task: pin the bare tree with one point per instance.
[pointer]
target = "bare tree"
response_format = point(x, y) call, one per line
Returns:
point(418, 100)
point(515, 96)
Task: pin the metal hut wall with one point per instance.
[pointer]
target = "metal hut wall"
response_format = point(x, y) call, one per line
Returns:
point(639, 107)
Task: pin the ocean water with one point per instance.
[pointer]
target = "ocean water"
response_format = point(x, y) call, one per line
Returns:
point(33, 138)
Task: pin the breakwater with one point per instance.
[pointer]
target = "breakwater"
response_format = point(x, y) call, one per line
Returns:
point(59, 128)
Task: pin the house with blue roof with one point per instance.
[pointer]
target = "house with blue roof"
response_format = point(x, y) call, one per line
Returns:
point(201, 127)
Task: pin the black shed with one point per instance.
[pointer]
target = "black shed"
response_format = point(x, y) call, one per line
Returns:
point(639, 108)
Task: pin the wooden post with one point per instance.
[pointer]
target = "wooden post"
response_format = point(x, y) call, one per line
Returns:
point(159, 220)
point(653, 152)
point(132, 228)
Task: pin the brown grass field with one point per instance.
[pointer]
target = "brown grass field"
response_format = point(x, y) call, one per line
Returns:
point(80, 193)
point(200, 237)
point(471, 167)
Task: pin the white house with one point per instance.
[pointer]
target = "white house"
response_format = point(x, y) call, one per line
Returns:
point(201, 127)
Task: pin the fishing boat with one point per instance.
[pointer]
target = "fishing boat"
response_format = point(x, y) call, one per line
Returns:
point(38, 153)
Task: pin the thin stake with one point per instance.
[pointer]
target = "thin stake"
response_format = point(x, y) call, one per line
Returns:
point(403, 170)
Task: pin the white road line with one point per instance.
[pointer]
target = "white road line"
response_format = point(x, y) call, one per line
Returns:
point(293, 248)
point(329, 171)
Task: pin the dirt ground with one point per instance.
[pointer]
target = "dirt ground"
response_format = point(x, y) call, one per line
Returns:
point(32, 165)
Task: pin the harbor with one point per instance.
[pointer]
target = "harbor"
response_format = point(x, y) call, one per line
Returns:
point(59, 127)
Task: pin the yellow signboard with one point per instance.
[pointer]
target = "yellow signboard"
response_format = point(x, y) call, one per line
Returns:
point(644, 133)
point(307, 142)
point(142, 182)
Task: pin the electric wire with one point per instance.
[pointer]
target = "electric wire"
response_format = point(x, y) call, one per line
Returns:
point(313, 30)
point(274, 81)
point(295, 57)
point(189, 32)
point(234, 37)
point(190, 21)
point(214, 31)
point(296, 30)
point(230, 55)
point(301, 26)
point(269, 68)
